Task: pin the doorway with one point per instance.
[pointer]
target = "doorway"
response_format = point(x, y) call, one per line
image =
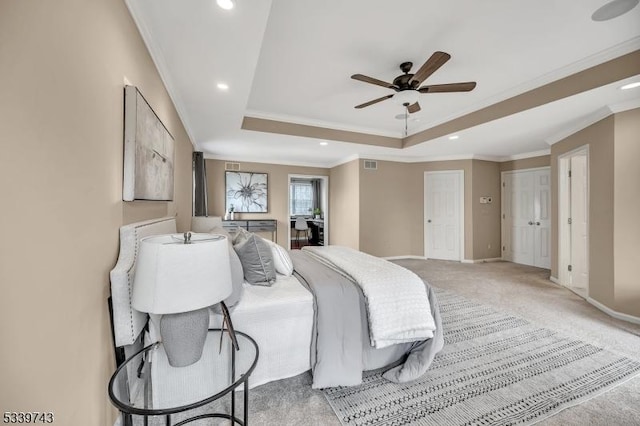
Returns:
point(573, 220)
point(308, 201)
point(444, 215)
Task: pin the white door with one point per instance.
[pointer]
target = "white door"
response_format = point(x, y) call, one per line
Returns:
point(520, 216)
point(526, 217)
point(542, 215)
point(579, 273)
point(443, 214)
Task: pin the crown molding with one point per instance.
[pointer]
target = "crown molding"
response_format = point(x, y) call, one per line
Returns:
point(262, 160)
point(157, 56)
point(531, 154)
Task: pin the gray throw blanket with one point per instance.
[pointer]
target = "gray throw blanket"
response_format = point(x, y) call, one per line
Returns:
point(340, 348)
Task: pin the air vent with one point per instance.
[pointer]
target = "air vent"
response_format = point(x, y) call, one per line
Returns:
point(370, 165)
point(234, 167)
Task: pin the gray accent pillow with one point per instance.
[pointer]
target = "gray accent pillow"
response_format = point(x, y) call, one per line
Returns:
point(257, 261)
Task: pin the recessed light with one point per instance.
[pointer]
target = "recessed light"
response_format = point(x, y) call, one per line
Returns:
point(223, 86)
point(453, 137)
point(225, 4)
point(630, 86)
point(613, 9)
point(324, 143)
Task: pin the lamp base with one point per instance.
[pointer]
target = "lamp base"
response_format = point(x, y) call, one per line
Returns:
point(183, 336)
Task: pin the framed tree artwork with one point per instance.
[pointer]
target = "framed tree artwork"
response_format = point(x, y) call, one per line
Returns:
point(246, 192)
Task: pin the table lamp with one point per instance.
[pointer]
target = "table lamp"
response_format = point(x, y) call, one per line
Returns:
point(179, 276)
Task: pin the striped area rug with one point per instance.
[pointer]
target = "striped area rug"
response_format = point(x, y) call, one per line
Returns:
point(495, 369)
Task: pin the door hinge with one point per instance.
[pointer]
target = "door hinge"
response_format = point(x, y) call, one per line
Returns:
point(503, 216)
point(569, 173)
point(503, 248)
point(503, 184)
point(569, 221)
point(569, 268)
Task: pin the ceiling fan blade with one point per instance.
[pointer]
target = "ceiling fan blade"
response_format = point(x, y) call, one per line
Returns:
point(372, 80)
point(413, 108)
point(375, 101)
point(451, 87)
point(436, 60)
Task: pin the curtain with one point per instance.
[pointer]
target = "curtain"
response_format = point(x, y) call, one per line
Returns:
point(200, 202)
point(317, 194)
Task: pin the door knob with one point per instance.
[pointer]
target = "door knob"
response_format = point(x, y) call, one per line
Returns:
point(530, 223)
point(538, 223)
point(428, 220)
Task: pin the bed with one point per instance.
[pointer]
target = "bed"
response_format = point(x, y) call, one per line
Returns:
point(285, 319)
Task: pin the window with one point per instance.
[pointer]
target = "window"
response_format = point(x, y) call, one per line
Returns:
point(301, 196)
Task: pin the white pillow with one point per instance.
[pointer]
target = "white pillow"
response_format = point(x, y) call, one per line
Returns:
point(281, 259)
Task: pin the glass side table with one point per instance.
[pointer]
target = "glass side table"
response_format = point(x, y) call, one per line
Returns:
point(145, 385)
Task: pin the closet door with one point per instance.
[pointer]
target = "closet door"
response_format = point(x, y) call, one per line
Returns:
point(526, 217)
point(520, 216)
point(542, 215)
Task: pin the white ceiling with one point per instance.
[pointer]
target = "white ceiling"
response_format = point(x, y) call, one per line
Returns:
point(290, 60)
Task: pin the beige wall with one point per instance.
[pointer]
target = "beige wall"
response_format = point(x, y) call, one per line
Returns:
point(486, 217)
point(389, 197)
point(626, 209)
point(600, 138)
point(278, 180)
point(526, 163)
point(344, 205)
point(62, 66)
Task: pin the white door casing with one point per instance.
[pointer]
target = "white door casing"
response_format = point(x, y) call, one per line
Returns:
point(579, 275)
point(573, 217)
point(444, 217)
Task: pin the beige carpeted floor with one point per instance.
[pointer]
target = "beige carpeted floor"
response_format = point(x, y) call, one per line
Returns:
point(519, 290)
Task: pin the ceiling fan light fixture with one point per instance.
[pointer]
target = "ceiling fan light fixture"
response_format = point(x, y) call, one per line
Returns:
point(225, 4)
point(406, 97)
point(613, 9)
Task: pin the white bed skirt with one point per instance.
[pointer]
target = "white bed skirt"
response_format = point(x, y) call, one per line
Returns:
point(279, 318)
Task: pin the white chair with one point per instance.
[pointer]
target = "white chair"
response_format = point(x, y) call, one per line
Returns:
point(301, 227)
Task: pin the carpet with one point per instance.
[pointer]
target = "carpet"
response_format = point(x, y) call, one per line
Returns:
point(495, 369)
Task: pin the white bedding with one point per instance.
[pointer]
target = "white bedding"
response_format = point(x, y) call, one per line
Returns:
point(397, 304)
point(279, 318)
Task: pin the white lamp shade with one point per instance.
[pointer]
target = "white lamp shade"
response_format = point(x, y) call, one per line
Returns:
point(173, 277)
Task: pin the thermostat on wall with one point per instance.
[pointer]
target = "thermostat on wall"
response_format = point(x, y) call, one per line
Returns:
point(485, 200)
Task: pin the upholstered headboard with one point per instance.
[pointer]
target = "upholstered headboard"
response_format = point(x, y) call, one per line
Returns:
point(127, 322)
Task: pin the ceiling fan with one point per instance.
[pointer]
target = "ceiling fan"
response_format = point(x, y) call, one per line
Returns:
point(406, 85)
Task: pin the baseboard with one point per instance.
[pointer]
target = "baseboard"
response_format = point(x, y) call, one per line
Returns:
point(554, 280)
point(408, 256)
point(611, 312)
point(489, 260)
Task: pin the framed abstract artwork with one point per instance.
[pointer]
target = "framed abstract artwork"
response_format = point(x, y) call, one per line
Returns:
point(148, 152)
point(246, 192)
